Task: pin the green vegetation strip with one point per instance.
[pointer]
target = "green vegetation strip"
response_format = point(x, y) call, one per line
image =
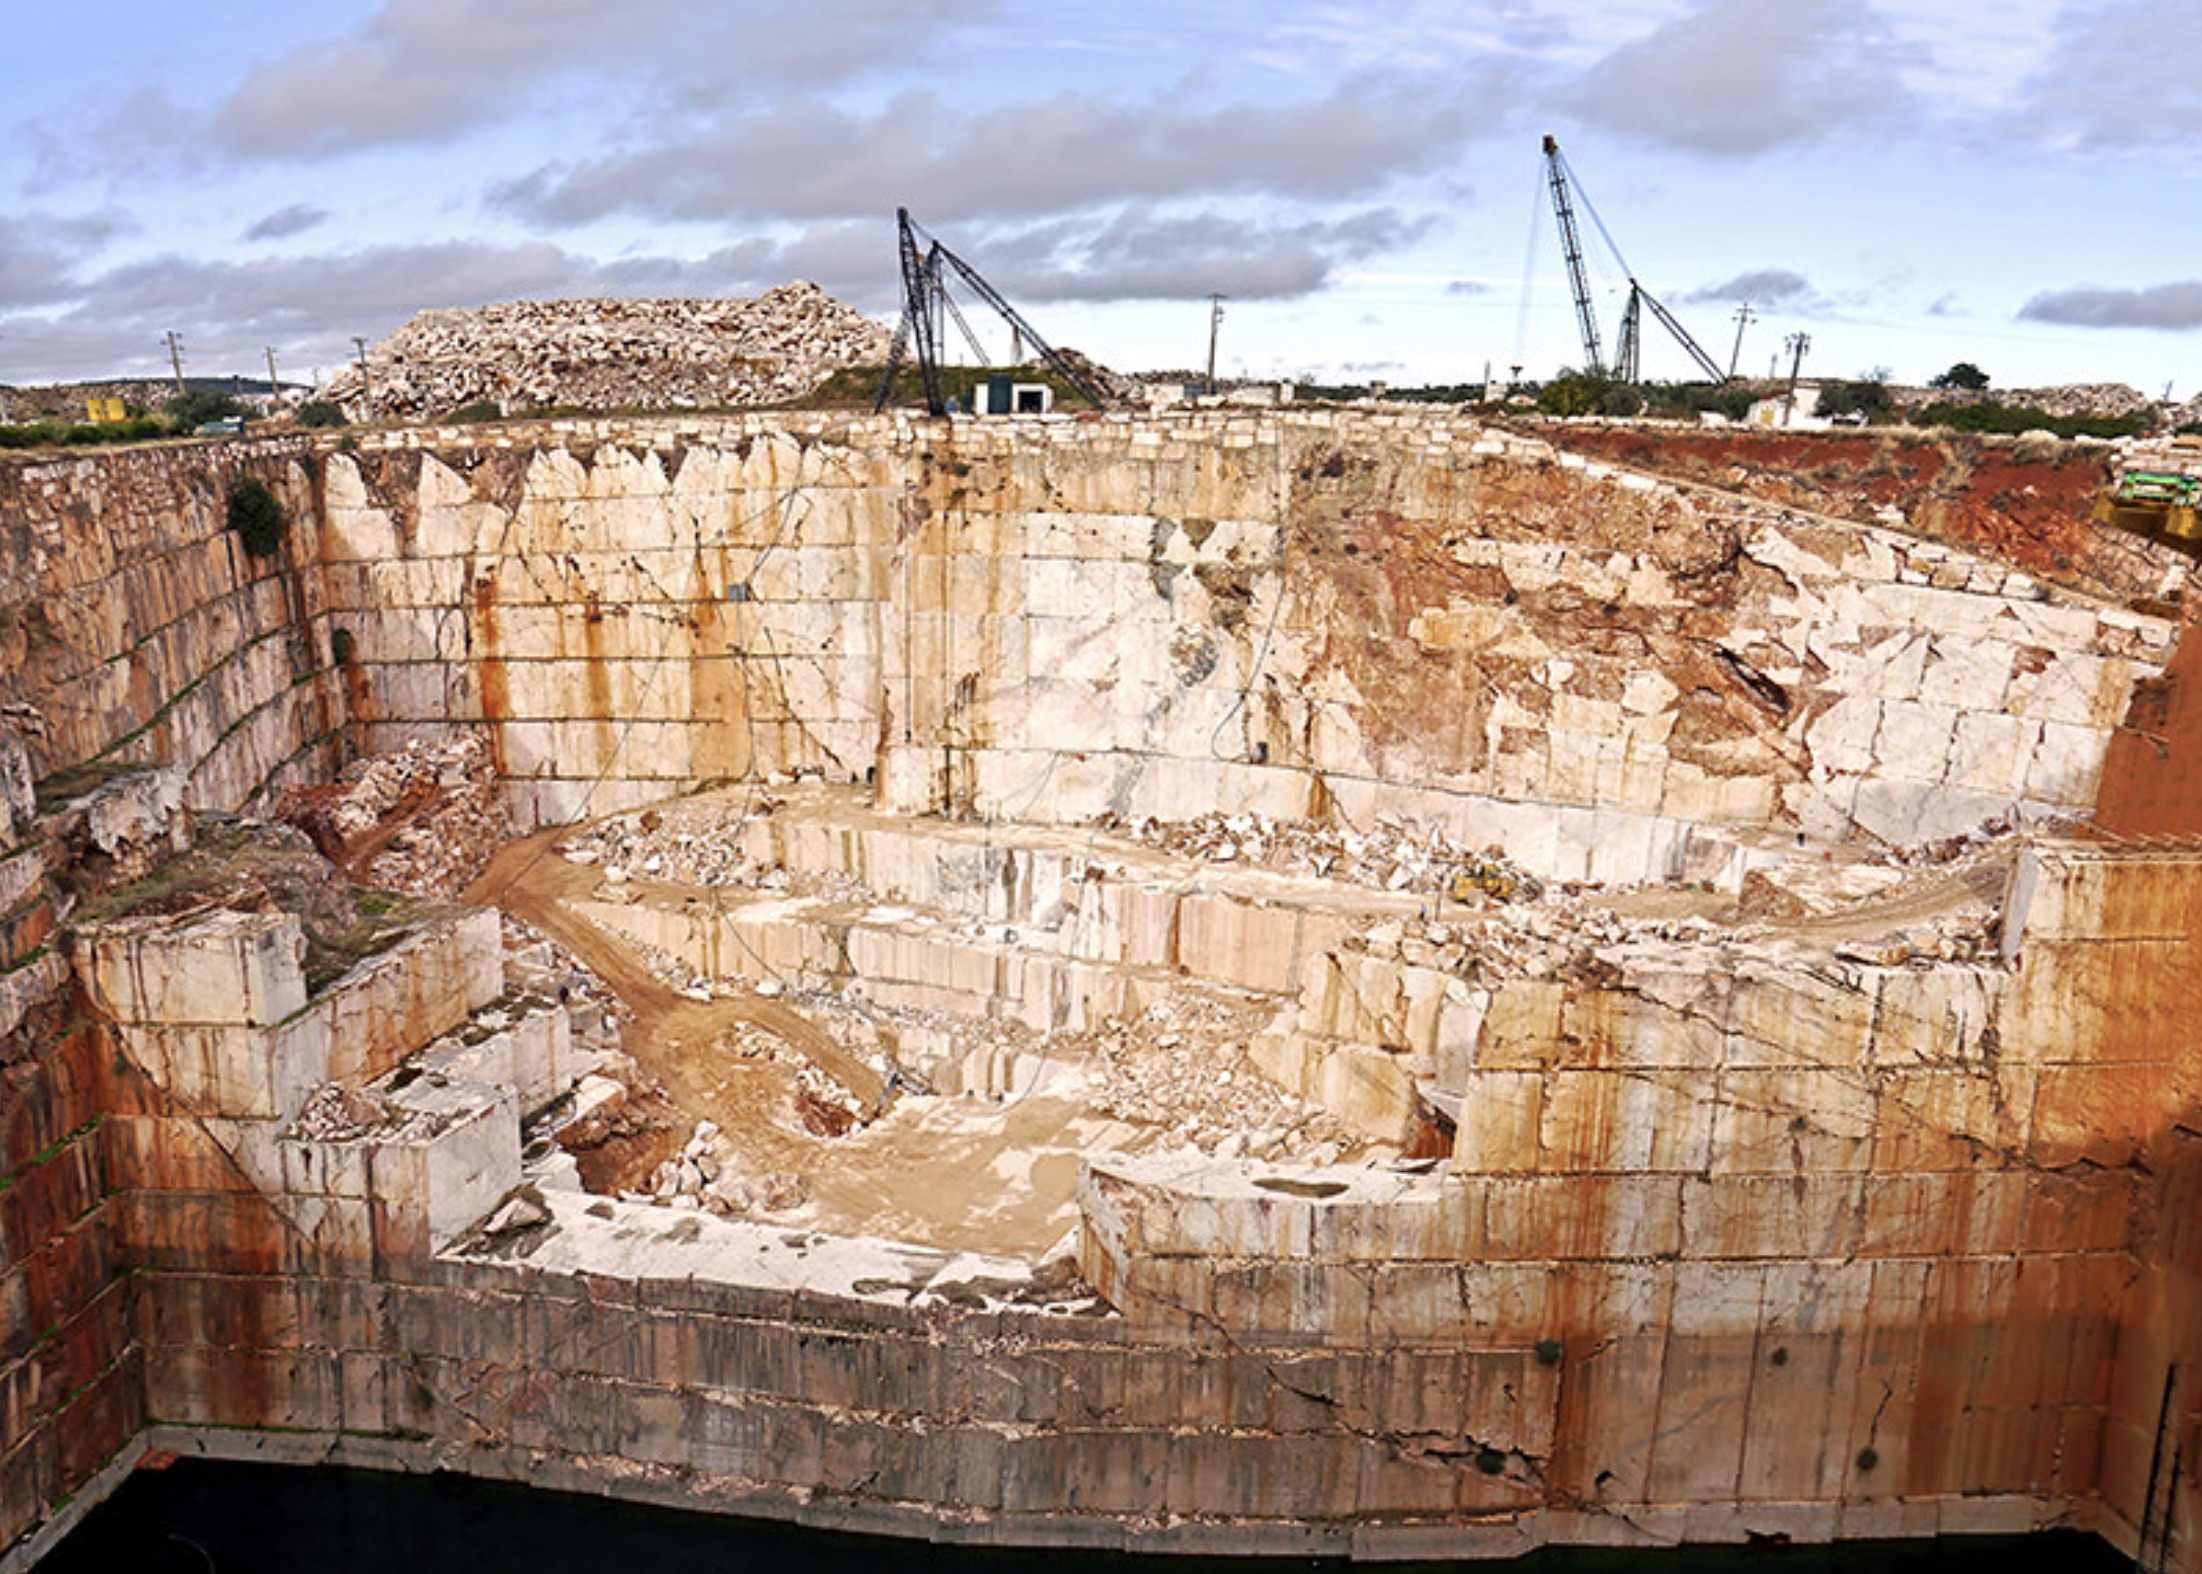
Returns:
point(9, 1181)
point(82, 434)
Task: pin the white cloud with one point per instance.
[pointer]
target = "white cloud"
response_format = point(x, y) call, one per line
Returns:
point(2172, 306)
point(1970, 60)
point(2119, 74)
point(1070, 151)
point(1142, 254)
point(229, 311)
point(41, 256)
point(418, 70)
point(1738, 77)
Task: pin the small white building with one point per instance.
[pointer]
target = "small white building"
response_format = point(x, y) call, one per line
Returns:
point(1802, 413)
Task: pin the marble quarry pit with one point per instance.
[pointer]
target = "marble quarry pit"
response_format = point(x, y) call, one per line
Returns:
point(1306, 981)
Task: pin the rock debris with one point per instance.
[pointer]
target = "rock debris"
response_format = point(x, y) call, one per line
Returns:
point(612, 355)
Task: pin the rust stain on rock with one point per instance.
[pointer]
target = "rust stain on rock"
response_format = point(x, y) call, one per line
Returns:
point(489, 666)
point(2152, 774)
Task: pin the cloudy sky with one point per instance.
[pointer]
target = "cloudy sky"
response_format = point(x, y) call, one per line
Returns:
point(1908, 183)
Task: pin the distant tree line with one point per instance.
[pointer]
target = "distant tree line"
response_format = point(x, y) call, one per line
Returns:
point(182, 415)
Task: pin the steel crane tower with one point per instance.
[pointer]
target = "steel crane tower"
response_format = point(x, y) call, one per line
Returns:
point(1571, 244)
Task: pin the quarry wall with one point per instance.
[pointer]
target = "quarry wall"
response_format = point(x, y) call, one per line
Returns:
point(1819, 1243)
point(1307, 615)
point(1947, 1214)
point(134, 627)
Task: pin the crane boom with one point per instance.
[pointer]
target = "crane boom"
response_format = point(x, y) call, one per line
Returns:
point(1571, 245)
point(1705, 363)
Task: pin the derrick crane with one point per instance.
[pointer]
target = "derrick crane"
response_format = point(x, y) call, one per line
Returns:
point(1628, 347)
point(926, 268)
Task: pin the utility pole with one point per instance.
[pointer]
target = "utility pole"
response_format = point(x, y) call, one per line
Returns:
point(1743, 321)
point(275, 388)
point(1215, 322)
point(1796, 344)
point(175, 359)
point(367, 376)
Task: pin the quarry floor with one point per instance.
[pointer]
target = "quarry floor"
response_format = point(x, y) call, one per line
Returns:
point(957, 1173)
point(997, 1174)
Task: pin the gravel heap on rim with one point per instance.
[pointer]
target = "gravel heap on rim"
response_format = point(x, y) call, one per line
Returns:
point(614, 354)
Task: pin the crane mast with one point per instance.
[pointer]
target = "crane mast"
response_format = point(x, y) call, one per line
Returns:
point(1572, 245)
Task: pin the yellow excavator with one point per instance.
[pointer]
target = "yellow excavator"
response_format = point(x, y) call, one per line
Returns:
point(2161, 504)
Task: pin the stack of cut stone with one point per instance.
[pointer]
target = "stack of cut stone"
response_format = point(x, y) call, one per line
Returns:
point(612, 355)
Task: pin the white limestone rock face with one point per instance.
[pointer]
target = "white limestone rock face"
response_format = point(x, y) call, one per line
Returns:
point(1615, 679)
point(210, 969)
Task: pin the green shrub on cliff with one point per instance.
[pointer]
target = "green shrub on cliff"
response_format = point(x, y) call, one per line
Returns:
point(257, 515)
point(1583, 393)
point(193, 410)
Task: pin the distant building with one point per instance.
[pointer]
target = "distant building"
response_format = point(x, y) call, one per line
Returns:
point(1800, 413)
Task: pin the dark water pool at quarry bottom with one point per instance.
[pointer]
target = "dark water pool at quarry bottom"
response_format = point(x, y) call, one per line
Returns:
point(200, 1516)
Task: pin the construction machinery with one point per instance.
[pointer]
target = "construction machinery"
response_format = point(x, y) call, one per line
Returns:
point(1628, 346)
point(2164, 505)
point(927, 266)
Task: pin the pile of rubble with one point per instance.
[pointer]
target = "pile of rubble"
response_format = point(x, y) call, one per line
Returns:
point(2180, 417)
point(339, 1112)
point(612, 355)
point(538, 965)
point(1390, 856)
point(824, 1104)
point(2096, 399)
point(676, 846)
point(1878, 913)
point(425, 820)
point(703, 1176)
point(1182, 1066)
point(1547, 940)
point(68, 401)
